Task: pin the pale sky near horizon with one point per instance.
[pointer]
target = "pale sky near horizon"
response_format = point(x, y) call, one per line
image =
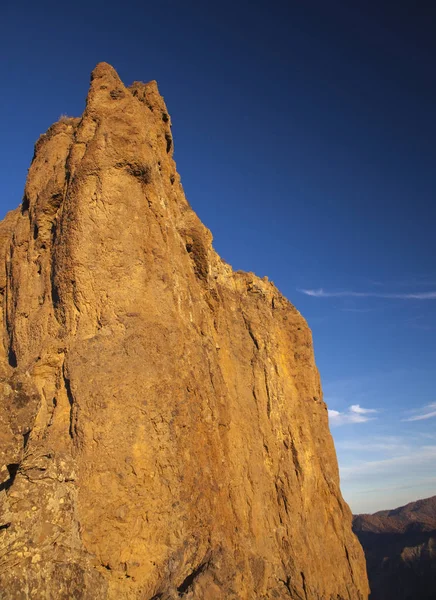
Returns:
point(305, 139)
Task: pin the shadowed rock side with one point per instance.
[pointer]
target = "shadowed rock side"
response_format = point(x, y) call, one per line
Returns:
point(163, 428)
point(400, 548)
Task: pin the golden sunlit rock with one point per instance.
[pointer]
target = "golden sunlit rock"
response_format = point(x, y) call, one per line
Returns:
point(163, 432)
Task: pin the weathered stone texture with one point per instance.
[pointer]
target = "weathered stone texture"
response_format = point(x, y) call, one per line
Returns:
point(162, 414)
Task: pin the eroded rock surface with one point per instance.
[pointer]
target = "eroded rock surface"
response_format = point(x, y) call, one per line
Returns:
point(163, 432)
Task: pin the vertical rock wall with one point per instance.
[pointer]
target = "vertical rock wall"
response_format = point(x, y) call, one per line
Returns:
point(163, 432)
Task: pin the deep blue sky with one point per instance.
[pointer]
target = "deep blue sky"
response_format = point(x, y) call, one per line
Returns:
point(305, 137)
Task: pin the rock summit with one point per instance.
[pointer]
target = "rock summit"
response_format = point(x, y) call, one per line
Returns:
point(162, 427)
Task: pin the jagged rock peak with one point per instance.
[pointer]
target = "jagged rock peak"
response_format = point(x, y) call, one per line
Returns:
point(163, 432)
point(105, 71)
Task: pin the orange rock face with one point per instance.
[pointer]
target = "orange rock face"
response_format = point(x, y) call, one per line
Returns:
point(163, 432)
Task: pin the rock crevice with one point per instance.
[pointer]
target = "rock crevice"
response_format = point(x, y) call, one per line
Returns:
point(175, 439)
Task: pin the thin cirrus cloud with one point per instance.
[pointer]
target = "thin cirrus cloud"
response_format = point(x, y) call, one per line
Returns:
point(354, 414)
point(388, 444)
point(427, 412)
point(321, 293)
point(424, 281)
point(418, 459)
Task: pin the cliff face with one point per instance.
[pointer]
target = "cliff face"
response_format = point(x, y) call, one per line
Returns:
point(400, 548)
point(163, 432)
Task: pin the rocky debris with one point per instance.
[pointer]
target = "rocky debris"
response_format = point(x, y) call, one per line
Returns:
point(400, 548)
point(163, 429)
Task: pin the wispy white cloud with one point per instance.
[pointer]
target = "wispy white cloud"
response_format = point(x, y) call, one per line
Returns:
point(354, 414)
point(427, 412)
point(369, 498)
point(321, 293)
point(416, 459)
point(421, 322)
point(375, 444)
point(355, 408)
point(419, 281)
point(427, 436)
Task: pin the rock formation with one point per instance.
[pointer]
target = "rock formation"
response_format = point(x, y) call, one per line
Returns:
point(400, 547)
point(163, 432)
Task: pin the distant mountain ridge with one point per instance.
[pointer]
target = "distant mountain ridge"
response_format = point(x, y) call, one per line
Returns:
point(400, 550)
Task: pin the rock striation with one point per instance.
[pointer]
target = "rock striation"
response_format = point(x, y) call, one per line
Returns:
point(163, 433)
point(400, 548)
